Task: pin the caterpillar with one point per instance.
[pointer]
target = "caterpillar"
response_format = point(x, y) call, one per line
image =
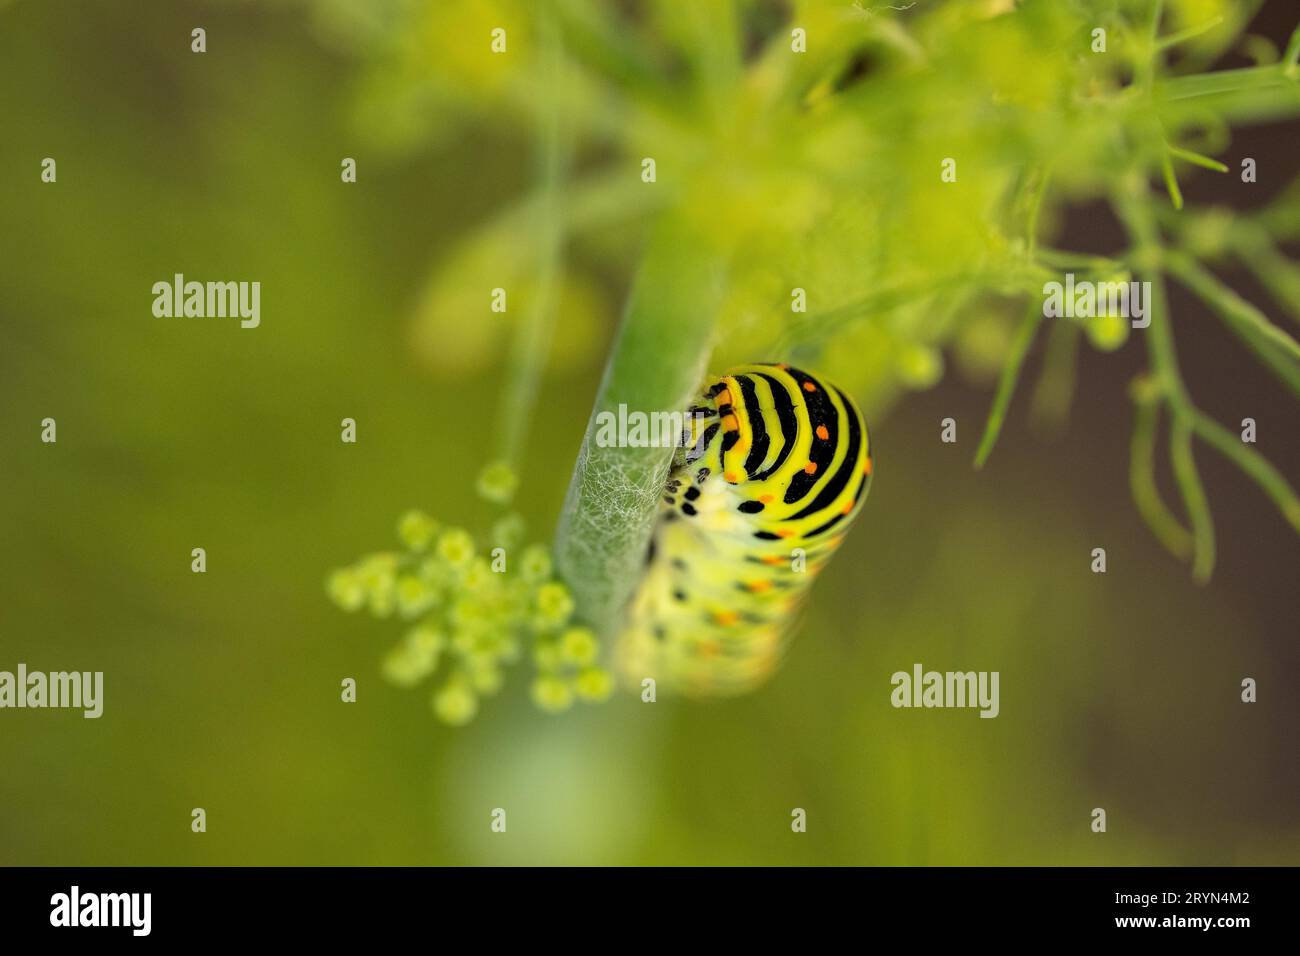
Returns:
point(774, 468)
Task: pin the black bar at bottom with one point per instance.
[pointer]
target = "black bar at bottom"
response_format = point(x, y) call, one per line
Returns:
point(438, 906)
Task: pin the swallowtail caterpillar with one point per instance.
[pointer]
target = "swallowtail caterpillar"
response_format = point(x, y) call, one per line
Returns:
point(773, 471)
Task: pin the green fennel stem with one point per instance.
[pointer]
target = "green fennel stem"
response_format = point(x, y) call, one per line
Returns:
point(658, 362)
point(532, 342)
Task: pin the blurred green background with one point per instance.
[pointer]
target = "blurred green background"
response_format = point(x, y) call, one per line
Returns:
point(222, 690)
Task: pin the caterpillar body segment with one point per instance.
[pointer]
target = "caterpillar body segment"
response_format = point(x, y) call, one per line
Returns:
point(777, 468)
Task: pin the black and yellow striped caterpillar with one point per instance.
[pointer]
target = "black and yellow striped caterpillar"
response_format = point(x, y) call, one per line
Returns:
point(775, 470)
